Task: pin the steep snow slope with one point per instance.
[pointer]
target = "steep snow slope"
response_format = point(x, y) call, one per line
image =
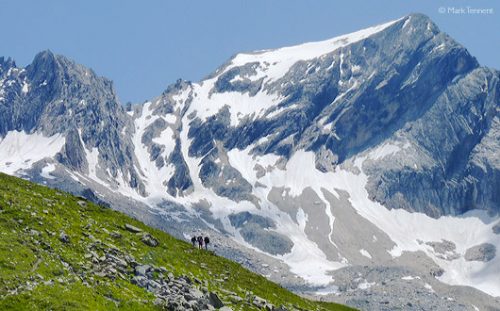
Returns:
point(274, 64)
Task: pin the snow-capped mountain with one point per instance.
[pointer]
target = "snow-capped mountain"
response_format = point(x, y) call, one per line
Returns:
point(350, 158)
point(57, 112)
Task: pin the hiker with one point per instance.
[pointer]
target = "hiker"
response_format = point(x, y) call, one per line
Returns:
point(206, 240)
point(193, 240)
point(200, 242)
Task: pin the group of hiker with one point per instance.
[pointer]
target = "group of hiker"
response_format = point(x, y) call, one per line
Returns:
point(201, 241)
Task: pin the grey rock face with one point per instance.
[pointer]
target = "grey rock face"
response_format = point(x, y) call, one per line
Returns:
point(224, 84)
point(180, 182)
point(241, 219)
point(73, 153)
point(255, 230)
point(496, 228)
point(461, 145)
point(483, 252)
point(269, 241)
point(445, 249)
point(216, 173)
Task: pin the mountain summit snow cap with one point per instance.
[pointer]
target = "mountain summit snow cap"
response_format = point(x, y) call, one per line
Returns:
point(275, 63)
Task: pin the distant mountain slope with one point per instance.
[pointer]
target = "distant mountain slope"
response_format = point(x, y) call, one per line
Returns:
point(60, 252)
point(377, 148)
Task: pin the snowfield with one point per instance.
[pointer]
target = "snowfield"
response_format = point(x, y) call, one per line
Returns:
point(19, 150)
point(406, 229)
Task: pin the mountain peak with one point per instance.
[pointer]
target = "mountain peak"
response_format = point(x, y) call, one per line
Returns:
point(314, 49)
point(420, 22)
point(418, 16)
point(48, 66)
point(48, 60)
point(45, 53)
point(277, 62)
point(44, 66)
point(46, 56)
point(285, 56)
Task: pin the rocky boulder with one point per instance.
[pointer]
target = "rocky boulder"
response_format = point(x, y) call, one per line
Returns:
point(482, 252)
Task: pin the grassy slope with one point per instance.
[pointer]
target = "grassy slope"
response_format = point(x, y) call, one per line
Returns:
point(35, 257)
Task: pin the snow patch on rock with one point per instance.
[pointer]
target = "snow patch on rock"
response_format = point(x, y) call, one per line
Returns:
point(19, 150)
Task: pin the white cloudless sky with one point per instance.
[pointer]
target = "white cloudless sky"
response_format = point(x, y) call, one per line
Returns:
point(143, 46)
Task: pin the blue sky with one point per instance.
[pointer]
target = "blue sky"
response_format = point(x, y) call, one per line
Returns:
point(145, 45)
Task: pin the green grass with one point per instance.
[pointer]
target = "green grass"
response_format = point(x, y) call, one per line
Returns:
point(31, 219)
